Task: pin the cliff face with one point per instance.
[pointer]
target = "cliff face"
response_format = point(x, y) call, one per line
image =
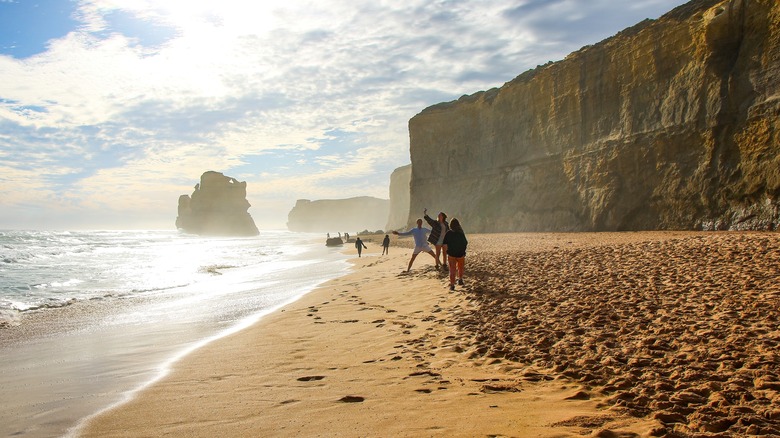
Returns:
point(218, 206)
point(338, 215)
point(399, 197)
point(671, 124)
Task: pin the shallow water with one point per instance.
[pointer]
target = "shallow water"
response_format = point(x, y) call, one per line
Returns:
point(88, 324)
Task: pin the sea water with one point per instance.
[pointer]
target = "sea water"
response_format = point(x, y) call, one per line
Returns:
point(86, 318)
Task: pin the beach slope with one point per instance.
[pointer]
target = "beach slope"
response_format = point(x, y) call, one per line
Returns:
point(552, 335)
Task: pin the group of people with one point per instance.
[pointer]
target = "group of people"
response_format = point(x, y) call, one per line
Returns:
point(449, 240)
point(447, 237)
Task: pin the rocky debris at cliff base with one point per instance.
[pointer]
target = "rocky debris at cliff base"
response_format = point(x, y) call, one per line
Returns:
point(683, 331)
point(217, 206)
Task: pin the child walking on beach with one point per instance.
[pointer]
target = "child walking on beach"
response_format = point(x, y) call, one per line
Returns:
point(386, 245)
point(420, 245)
point(456, 243)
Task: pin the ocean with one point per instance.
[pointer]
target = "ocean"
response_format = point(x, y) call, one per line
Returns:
point(89, 317)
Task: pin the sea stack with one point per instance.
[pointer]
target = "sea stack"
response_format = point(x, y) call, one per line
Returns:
point(217, 207)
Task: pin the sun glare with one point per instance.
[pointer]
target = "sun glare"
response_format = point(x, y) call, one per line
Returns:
point(234, 16)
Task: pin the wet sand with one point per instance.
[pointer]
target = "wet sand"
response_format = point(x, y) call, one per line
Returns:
point(609, 334)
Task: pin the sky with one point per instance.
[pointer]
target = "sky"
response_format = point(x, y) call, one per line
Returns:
point(112, 109)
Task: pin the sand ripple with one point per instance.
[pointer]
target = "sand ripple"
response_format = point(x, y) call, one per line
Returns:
point(685, 331)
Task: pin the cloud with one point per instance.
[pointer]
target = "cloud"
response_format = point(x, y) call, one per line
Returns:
point(303, 99)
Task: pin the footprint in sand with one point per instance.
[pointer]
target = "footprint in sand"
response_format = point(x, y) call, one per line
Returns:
point(425, 373)
point(310, 378)
point(351, 399)
point(499, 388)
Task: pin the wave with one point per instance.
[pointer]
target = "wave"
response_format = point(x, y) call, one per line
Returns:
point(45, 269)
point(215, 269)
point(158, 289)
point(14, 309)
point(11, 311)
point(9, 318)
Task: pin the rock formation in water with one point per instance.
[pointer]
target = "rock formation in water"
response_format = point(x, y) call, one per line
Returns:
point(671, 124)
point(217, 207)
point(399, 197)
point(339, 215)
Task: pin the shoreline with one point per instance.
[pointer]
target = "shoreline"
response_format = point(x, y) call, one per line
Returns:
point(345, 382)
point(168, 365)
point(362, 351)
point(64, 364)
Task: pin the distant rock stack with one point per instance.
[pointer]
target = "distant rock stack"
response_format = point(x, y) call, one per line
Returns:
point(217, 207)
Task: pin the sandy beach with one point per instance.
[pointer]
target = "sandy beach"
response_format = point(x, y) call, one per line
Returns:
point(604, 334)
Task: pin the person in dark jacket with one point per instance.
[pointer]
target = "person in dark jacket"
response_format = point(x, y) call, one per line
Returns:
point(439, 228)
point(360, 245)
point(455, 242)
point(386, 245)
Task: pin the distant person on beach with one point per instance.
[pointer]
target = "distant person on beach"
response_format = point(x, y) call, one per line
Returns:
point(360, 245)
point(420, 245)
point(439, 228)
point(456, 243)
point(386, 245)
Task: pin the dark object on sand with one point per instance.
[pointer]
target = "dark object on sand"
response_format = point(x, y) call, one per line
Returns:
point(334, 241)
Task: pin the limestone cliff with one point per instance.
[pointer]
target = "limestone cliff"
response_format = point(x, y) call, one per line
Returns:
point(671, 124)
point(399, 197)
point(218, 206)
point(339, 215)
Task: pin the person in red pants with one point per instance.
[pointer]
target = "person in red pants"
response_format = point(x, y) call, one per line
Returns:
point(456, 243)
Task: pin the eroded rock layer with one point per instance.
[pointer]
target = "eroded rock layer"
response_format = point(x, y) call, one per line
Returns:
point(671, 124)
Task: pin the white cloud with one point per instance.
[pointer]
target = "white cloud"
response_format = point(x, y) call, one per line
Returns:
point(264, 89)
